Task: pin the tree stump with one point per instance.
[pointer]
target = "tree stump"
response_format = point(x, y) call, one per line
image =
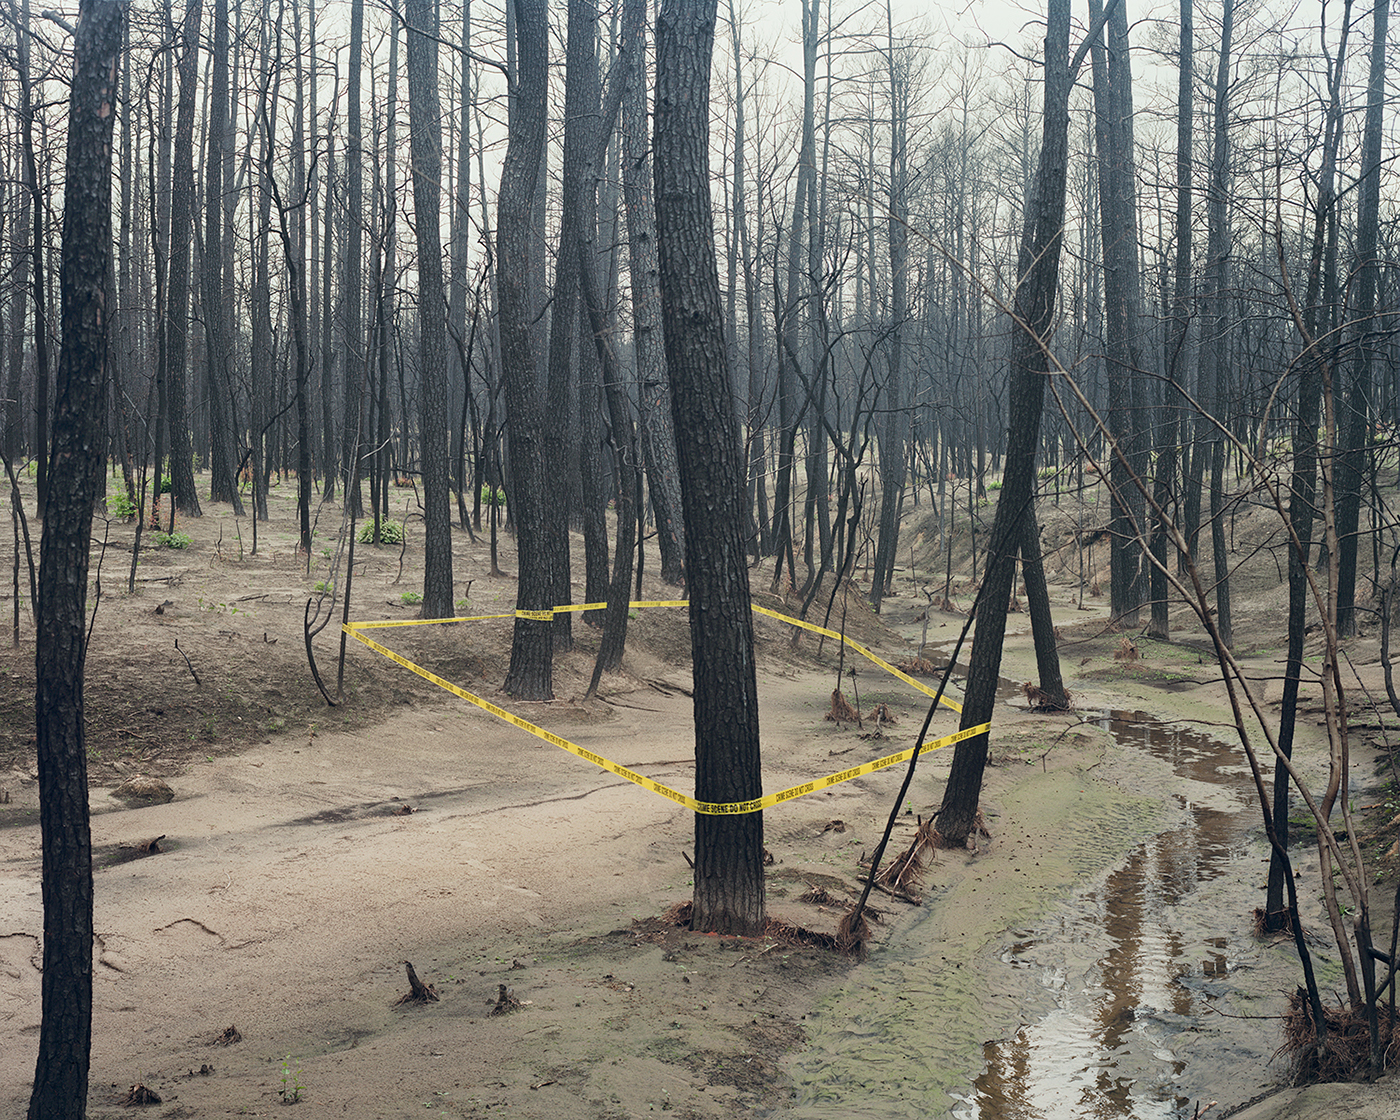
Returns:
point(418, 992)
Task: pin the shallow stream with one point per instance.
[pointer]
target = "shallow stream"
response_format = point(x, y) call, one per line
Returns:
point(1129, 981)
point(1142, 970)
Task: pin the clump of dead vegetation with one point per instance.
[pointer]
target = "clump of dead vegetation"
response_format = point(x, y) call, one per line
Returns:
point(1343, 1053)
point(841, 710)
point(881, 714)
point(918, 667)
point(140, 1094)
point(1042, 701)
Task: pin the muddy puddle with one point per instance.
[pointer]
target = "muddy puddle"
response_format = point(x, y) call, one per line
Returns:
point(1106, 968)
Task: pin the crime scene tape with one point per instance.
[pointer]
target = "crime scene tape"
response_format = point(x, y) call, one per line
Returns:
point(709, 808)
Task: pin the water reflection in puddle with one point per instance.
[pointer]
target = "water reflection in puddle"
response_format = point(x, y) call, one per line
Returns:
point(1133, 966)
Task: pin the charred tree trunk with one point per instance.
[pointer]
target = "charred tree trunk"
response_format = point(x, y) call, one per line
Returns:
point(223, 487)
point(425, 131)
point(729, 886)
point(1118, 217)
point(658, 436)
point(1039, 266)
point(184, 496)
point(1360, 389)
point(1165, 481)
point(65, 1034)
point(530, 676)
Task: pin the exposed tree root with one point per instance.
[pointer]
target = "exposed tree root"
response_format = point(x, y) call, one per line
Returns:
point(820, 896)
point(979, 828)
point(680, 913)
point(774, 929)
point(1281, 922)
point(853, 935)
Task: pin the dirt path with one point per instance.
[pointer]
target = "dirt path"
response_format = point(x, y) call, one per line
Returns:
point(291, 884)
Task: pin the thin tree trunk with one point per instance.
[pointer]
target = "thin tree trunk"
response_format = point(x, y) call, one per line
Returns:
point(184, 496)
point(1164, 483)
point(789, 412)
point(1216, 316)
point(38, 280)
point(223, 487)
point(329, 454)
point(352, 293)
point(1358, 397)
point(895, 427)
point(1118, 210)
point(1320, 316)
point(1038, 266)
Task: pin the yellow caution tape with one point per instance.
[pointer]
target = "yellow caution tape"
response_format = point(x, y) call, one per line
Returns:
point(709, 808)
point(860, 649)
point(389, 624)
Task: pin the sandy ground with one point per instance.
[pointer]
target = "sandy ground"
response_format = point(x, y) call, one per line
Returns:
point(293, 880)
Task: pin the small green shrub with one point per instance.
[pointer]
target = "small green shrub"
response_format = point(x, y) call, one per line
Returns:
point(164, 485)
point(410, 598)
point(325, 586)
point(120, 505)
point(463, 604)
point(390, 532)
point(171, 540)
